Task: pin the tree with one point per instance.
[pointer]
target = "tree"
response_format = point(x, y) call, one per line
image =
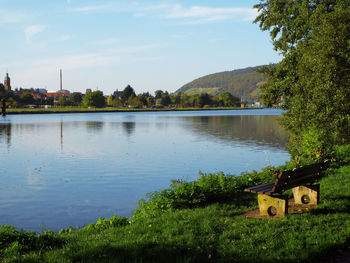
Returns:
point(312, 82)
point(110, 100)
point(27, 98)
point(62, 101)
point(116, 102)
point(145, 99)
point(75, 99)
point(165, 100)
point(205, 99)
point(5, 95)
point(127, 93)
point(94, 99)
point(158, 94)
point(226, 99)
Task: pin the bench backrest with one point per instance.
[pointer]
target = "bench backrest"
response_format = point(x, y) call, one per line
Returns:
point(298, 176)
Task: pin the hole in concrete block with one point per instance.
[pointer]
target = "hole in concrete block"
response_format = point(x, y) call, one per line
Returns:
point(305, 199)
point(272, 211)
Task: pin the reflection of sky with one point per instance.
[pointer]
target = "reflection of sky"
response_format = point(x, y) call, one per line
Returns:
point(72, 168)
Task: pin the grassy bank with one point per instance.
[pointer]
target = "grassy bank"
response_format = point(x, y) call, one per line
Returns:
point(88, 110)
point(198, 221)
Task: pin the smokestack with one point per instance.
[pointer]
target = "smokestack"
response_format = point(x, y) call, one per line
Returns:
point(60, 79)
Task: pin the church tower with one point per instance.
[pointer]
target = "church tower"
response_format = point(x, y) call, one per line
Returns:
point(7, 82)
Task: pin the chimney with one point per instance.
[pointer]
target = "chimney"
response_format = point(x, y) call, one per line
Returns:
point(60, 79)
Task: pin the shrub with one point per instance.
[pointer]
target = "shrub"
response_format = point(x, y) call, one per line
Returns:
point(209, 188)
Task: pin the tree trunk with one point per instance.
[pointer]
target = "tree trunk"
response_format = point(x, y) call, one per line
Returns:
point(3, 108)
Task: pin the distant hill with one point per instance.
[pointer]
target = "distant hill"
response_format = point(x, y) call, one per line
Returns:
point(240, 83)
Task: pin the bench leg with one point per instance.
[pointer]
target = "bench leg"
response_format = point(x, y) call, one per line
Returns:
point(307, 195)
point(272, 206)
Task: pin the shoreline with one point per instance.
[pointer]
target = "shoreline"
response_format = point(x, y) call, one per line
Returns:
point(106, 110)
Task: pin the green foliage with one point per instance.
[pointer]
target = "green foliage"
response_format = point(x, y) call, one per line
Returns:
point(226, 99)
point(14, 242)
point(209, 188)
point(341, 155)
point(127, 93)
point(312, 82)
point(94, 99)
point(27, 98)
point(75, 99)
point(63, 101)
point(101, 224)
point(313, 144)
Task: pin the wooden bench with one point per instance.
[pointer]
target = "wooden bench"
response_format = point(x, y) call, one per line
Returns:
point(300, 180)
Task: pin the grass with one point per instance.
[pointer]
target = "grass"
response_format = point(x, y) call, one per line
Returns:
point(207, 232)
point(11, 111)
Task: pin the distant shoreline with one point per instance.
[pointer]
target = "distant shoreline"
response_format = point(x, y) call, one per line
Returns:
point(104, 110)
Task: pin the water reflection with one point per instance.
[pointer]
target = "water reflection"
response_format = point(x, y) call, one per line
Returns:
point(5, 133)
point(94, 126)
point(129, 128)
point(246, 129)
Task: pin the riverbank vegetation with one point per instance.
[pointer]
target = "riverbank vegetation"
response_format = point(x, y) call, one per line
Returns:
point(21, 100)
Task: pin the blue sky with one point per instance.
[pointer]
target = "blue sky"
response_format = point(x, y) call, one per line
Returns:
point(107, 45)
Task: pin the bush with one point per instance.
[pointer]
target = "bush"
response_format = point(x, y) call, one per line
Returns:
point(209, 188)
point(13, 241)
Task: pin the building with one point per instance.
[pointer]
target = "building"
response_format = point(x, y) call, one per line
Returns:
point(117, 94)
point(7, 82)
point(57, 94)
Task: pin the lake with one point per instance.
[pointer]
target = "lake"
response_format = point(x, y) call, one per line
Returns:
point(61, 170)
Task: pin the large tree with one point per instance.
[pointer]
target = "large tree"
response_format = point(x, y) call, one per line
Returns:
point(312, 82)
point(94, 99)
point(127, 93)
point(5, 96)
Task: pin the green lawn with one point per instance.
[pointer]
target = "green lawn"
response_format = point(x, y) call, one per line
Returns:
point(210, 232)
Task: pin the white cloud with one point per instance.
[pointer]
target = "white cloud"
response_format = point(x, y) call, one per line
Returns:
point(89, 9)
point(202, 14)
point(33, 30)
point(186, 15)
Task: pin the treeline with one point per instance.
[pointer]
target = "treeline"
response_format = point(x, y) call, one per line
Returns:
point(128, 98)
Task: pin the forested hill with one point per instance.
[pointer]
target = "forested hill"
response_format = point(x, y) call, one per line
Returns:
point(240, 83)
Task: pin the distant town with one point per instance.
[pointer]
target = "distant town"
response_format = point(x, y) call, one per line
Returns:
point(42, 98)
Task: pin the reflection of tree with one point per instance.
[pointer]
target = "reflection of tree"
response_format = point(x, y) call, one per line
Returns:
point(129, 128)
point(261, 129)
point(94, 126)
point(5, 133)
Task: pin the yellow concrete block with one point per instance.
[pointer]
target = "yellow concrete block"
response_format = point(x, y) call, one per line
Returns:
point(272, 206)
point(306, 195)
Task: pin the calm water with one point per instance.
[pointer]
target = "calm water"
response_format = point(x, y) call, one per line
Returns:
point(66, 170)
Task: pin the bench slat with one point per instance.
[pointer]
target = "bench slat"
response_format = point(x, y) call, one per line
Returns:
point(265, 188)
point(300, 172)
point(289, 179)
point(281, 187)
